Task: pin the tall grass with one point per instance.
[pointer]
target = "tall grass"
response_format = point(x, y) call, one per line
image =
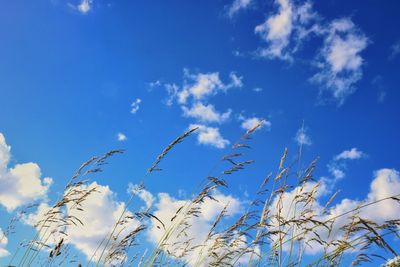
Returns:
point(274, 230)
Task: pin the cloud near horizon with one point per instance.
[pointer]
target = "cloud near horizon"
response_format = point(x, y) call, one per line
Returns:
point(198, 226)
point(385, 183)
point(87, 236)
point(22, 184)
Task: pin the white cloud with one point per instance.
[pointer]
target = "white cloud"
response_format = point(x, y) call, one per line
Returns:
point(135, 105)
point(193, 96)
point(3, 244)
point(21, 184)
point(250, 123)
point(209, 136)
point(172, 90)
point(258, 89)
point(338, 165)
point(205, 113)
point(142, 193)
point(236, 81)
point(276, 31)
point(238, 5)
point(336, 170)
point(353, 153)
point(85, 6)
point(100, 211)
point(86, 238)
point(121, 137)
point(202, 85)
point(386, 183)
point(291, 22)
point(302, 138)
point(198, 227)
point(340, 62)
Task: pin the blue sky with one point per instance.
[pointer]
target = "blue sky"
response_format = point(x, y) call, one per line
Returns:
point(78, 78)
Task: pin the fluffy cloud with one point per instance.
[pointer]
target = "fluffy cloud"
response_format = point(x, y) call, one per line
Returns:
point(21, 184)
point(339, 60)
point(338, 165)
point(238, 5)
point(99, 212)
point(386, 183)
point(291, 22)
point(135, 105)
point(121, 137)
point(353, 153)
point(143, 194)
point(85, 6)
point(205, 113)
point(202, 85)
point(193, 97)
point(302, 138)
point(209, 136)
point(199, 226)
point(96, 226)
point(3, 243)
point(250, 123)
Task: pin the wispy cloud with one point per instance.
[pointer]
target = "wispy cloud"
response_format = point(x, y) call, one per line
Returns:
point(238, 5)
point(302, 137)
point(21, 184)
point(378, 82)
point(395, 50)
point(135, 106)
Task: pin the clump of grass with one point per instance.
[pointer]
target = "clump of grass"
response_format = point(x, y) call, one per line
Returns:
point(279, 225)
